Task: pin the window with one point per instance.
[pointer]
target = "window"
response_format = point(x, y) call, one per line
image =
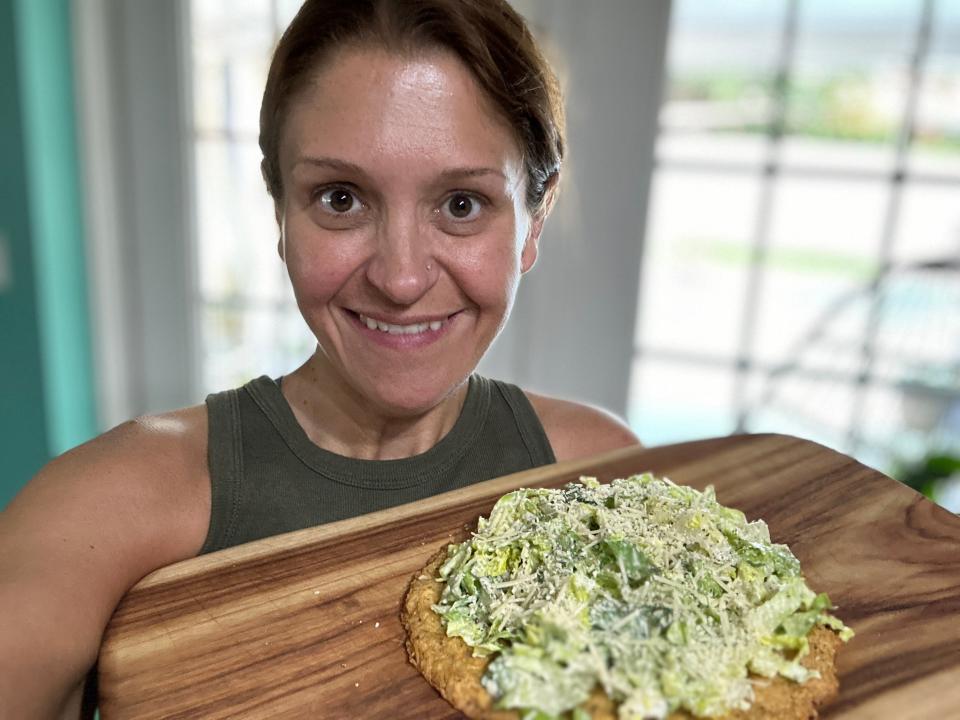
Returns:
point(248, 321)
point(809, 153)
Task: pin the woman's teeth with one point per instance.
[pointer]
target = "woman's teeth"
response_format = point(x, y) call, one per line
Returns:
point(414, 329)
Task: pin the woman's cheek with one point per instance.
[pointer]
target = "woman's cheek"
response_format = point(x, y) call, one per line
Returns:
point(490, 273)
point(318, 268)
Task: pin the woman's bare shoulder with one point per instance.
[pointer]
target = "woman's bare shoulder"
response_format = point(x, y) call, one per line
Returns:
point(166, 456)
point(175, 437)
point(577, 429)
point(87, 527)
point(148, 474)
point(166, 452)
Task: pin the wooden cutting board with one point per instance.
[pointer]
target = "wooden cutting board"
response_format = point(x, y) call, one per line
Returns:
point(306, 625)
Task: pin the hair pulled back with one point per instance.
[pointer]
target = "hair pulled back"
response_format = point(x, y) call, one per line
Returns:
point(488, 36)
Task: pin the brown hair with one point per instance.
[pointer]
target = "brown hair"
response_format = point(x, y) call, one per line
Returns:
point(490, 38)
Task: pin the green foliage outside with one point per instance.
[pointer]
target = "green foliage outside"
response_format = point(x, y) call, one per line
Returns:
point(736, 253)
point(924, 475)
point(836, 107)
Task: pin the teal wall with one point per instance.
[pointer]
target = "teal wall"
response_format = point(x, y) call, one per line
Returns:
point(46, 386)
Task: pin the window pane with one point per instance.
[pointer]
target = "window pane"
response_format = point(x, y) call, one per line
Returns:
point(696, 259)
point(916, 412)
point(815, 406)
point(286, 9)
point(918, 334)
point(929, 224)
point(848, 155)
point(903, 424)
point(832, 340)
point(237, 241)
point(228, 18)
point(824, 242)
point(914, 380)
point(849, 81)
point(674, 401)
point(240, 343)
point(231, 49)
point(884, 431)
point(936, 148)
point(721, 62)
point(738, 148)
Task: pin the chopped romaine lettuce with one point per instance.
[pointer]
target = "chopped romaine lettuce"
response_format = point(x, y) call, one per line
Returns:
point(653, 591)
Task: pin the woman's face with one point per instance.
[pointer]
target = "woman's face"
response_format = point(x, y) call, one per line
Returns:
point(404, 227)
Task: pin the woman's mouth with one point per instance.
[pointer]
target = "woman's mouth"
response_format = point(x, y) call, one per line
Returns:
point(416, 332)
point(394, 329)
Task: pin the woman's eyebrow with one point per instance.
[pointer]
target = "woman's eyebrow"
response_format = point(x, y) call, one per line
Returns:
point(331, 163)
point(455, 173)
point(467, 172)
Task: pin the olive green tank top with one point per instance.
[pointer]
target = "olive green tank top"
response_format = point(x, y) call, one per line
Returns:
point(267, 477)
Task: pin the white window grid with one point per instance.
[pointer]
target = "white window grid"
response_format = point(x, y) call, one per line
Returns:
point(860, 371)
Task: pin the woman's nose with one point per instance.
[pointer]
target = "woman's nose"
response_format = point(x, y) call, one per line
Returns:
point(402, 267)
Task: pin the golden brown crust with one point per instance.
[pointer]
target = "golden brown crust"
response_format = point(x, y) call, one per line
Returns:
point(448, 664)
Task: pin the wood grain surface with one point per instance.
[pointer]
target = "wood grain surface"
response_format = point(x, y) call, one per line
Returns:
point(307, 624)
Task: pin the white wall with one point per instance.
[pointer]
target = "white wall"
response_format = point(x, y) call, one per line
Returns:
point(572, 330)
point(131, 62)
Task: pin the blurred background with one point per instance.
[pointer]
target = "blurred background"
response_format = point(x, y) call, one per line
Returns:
point(758, 230)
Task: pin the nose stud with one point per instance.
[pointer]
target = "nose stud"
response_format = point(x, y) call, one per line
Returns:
point(429, 266)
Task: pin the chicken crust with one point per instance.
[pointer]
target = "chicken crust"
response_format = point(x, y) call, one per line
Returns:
point(449, 666)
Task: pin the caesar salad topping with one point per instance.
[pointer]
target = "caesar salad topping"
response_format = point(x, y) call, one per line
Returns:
point(654, 591)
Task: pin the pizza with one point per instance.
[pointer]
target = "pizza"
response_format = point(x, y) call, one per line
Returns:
point(639, 599)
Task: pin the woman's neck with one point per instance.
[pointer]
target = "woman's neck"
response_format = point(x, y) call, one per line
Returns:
point(337, 418)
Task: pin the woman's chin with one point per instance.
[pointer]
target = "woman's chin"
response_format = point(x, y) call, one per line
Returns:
point(410, 400)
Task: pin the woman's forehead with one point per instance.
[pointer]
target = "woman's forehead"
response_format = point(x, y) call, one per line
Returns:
point(370, 106)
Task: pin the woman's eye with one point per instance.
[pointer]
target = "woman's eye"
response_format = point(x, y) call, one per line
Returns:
point(462, 207)
point(339, 201)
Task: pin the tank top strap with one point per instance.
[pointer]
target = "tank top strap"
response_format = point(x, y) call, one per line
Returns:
point(531, 430)
point(225, 462)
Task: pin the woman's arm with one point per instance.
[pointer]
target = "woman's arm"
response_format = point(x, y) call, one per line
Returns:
point(578, 430)
point(78, 536)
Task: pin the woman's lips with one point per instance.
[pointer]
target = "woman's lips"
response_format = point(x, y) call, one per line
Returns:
point(414, 332)
point(411, 328)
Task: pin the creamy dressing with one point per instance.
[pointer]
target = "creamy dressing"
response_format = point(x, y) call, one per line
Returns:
point(653, 591)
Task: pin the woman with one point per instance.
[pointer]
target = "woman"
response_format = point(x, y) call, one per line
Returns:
point(412, 149)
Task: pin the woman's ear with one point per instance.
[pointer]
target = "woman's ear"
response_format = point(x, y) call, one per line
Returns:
point(281, 239)
point(277, 205)
point(531, 246)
